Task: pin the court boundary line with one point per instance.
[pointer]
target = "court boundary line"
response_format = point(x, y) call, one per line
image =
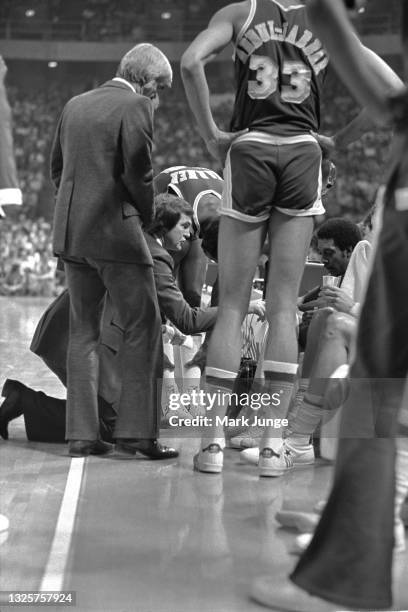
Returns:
point(54, 573)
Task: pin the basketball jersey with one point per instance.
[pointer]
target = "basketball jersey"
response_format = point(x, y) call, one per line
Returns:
point(280, 67)
point(189, 183)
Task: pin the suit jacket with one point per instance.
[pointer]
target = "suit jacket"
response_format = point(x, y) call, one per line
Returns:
point(101, 167)
point(50, 340)
point(171, 301)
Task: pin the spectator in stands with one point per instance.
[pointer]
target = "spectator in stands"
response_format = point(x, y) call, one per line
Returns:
point(27, 264)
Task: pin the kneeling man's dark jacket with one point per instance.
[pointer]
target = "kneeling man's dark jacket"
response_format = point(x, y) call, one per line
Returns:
point(50, 339)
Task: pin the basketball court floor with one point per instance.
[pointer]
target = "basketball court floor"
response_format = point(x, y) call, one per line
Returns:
point(138, 535)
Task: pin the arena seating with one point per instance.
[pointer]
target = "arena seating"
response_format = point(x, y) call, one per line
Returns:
point(35, 113)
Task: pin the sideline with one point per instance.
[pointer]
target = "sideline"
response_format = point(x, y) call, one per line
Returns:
point(53, 578)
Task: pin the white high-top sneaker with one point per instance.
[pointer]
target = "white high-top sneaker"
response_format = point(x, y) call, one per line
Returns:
point(401, 490)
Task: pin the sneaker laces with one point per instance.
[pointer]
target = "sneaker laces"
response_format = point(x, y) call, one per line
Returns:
point(212, 448)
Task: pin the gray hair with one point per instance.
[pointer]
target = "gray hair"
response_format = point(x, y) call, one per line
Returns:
point(144, 63)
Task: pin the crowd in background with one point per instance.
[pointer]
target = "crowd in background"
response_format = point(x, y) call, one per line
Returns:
point(104, 20)
point(27, 265)
point(26, 257)
point(116, 20)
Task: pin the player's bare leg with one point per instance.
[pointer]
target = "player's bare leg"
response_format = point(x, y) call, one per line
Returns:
point(239, 247)
point(289, 239)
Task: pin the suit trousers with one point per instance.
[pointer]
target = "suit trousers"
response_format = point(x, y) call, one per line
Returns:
point(132, 291)
point(45, 416)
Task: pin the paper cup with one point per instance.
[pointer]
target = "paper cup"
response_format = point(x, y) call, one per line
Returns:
point(329, 281)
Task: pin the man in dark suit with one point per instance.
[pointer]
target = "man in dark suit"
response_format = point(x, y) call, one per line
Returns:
point(45, 416)
point(101, 167)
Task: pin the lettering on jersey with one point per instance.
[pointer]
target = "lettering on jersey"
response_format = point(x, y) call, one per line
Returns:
point(185, 175)
point(268, 31)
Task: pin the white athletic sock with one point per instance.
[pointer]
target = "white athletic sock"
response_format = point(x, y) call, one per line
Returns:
point(218, 388)
point(302, 387)
point(401, 477)
point(279, 383)
point(307, 419)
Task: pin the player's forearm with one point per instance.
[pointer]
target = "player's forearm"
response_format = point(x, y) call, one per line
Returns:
point(198, 95)
point(388, 79)
point(329, 21)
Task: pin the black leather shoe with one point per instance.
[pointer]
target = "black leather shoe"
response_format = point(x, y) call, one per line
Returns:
point(11, 408)
point(83, 448)
point(152, 449)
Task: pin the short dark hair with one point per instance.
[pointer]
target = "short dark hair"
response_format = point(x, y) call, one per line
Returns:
point(168, 210)
point(344, 233)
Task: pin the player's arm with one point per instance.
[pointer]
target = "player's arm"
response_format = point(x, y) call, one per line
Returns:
point(364, 73)
point(208, 44)
point(351, 132)
point(173, 305)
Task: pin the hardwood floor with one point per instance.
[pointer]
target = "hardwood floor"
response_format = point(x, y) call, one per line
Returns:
point(148, 536)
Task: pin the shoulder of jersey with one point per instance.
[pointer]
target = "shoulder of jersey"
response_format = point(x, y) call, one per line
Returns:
point(289, 5)
point(191, 168)
point(173, 169)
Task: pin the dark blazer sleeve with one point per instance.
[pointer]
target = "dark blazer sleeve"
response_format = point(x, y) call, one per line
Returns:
point(171, 301)
point(137, 138)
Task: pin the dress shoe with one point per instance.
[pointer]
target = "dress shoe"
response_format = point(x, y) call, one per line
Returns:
point(83, 448)
point(11, 408)
point(152, 449)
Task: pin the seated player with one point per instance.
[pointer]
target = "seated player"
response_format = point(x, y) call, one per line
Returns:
point(336, 239)
point(332, 330)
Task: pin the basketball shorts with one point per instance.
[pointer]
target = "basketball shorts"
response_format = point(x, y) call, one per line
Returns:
point(265, 172)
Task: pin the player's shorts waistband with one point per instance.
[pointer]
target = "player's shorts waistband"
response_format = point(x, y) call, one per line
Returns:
point(273, 139)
